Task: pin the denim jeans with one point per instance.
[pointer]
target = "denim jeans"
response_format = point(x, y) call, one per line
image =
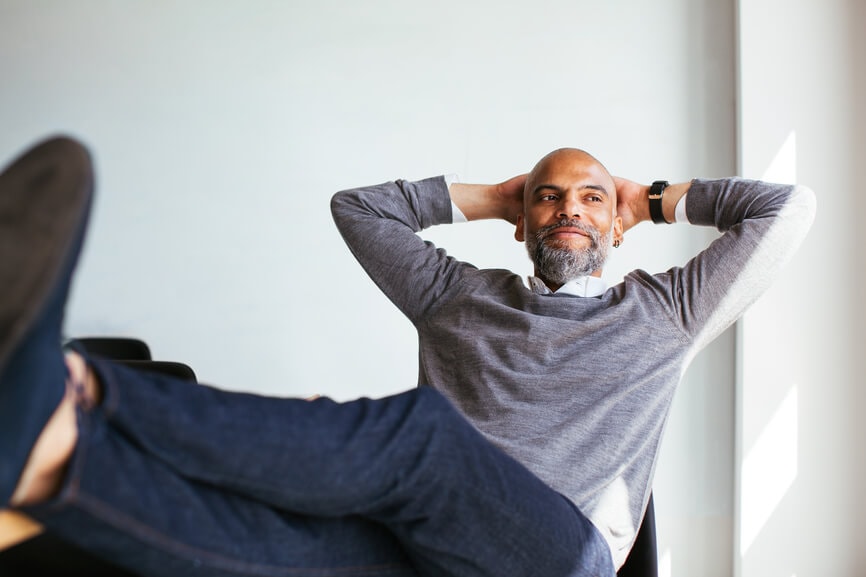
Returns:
point(174, 478)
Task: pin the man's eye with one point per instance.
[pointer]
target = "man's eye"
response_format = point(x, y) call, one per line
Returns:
point(595, 198)
point(548, 197)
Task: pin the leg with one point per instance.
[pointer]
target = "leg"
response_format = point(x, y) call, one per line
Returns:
point(44, 205)
point(409, 462)
point(168, 526)
point(455, 503)
point(118, 502)
point(122, 504)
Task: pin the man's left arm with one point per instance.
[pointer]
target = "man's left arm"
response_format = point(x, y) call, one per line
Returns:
point(763, 224)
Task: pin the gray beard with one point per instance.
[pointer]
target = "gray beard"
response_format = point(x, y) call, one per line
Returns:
point(560, 265)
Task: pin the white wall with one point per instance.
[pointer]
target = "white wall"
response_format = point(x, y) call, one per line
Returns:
point(801, 429)
point(221, 128)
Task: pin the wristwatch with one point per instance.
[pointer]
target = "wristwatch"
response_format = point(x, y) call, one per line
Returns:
point(656, 192)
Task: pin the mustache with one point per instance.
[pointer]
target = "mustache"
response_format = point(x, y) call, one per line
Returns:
point(593, 232)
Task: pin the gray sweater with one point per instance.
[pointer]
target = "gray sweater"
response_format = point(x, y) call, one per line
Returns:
point(577, 389)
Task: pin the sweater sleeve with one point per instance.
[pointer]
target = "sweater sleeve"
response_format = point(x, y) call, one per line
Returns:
point(762, 224)
point(379, 224)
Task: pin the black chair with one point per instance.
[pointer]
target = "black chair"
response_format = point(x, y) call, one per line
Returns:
point(642, 561)
point(47, 555)
point(115, 348)
point(171, 368)
point(133, 353)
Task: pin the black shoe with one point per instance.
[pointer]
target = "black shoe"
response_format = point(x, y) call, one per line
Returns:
point(45, 197)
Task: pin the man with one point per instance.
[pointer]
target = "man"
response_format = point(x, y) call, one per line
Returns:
point(570, 377)
point(169, 478)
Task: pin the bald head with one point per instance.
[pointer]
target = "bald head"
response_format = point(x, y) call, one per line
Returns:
point(569, 164)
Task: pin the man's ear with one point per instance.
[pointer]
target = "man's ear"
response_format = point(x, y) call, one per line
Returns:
point(617, 228)
point(518, 231)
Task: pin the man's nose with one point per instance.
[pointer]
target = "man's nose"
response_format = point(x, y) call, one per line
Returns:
point(569, 207)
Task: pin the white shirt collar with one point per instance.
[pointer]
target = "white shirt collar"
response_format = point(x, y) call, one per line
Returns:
point(585, 286)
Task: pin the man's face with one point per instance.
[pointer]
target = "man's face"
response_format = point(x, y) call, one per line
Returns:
point(569, 218)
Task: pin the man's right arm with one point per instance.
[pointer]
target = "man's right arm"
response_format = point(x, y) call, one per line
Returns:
point(380, 224)
point(490, 201)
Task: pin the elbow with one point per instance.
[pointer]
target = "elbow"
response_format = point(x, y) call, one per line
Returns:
point(802, 205)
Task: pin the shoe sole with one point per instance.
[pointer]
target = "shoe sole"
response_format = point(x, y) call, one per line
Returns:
point(45, 196)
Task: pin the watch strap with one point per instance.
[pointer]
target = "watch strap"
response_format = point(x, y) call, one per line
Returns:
point(656, 192)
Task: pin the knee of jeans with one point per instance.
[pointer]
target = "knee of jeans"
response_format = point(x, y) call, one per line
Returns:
point(441, 424)
point(437, 410)
point(427, 394)
point(439, 439)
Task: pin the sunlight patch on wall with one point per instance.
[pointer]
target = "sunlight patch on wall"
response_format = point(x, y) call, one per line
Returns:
point(769, 470)
point(666, 564)
point(783, 167)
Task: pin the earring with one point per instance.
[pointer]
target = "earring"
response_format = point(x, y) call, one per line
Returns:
point(616, 243)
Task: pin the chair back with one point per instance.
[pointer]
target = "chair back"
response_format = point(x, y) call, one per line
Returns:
point(115, 348)
point(643, 561)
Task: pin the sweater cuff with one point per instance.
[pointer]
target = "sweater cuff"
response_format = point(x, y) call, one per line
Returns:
point(457, 215)
point(701, 203)
point(435, 190)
